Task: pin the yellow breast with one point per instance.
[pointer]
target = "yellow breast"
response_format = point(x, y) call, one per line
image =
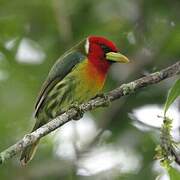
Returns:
point(90, 80)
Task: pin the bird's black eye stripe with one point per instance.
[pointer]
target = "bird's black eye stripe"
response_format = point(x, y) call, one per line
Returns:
point(105, 48)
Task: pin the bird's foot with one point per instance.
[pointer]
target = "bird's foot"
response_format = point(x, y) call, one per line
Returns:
point(78, 109)
point(105, 97)
point(101, 95)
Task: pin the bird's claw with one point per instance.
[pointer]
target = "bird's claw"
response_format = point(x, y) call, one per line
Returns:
point(105, 97)
point(78, 109)
point(107, 100)
point(101, 95)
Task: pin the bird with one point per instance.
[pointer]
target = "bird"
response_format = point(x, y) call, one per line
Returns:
point(76, 77)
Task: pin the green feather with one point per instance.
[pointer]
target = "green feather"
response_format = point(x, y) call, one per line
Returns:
point(60, 69)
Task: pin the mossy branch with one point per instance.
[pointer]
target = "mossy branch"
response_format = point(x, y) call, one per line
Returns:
point(100, 101)
point(166, 151)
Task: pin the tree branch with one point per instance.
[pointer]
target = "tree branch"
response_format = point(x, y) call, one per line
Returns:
point(100, 101)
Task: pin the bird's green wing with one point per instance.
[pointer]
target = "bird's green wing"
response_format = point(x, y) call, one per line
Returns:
point(60, 69)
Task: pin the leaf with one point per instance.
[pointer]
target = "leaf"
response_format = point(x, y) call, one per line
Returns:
point(174, 92)
point(174, 174)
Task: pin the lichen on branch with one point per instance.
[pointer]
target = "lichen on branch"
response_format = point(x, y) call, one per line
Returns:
point(164, 151)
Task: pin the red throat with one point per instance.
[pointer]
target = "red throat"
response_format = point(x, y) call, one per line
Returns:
point(101, 64)
point(95, 72)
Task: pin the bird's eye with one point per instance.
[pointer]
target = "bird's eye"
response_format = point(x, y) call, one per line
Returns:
point(105, 48)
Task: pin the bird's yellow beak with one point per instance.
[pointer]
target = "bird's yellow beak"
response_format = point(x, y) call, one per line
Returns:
point(116, 57)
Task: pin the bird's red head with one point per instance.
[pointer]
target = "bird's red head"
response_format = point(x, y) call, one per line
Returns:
point(102, 52)
point(96, 49)
point(100, 46)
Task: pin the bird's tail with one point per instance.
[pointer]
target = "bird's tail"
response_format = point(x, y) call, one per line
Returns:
point(28, 153)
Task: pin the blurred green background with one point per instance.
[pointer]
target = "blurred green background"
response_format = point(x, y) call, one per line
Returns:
point(33, 34)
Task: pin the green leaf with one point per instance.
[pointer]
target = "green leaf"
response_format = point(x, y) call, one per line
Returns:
point(174, 92)
point(174, 174)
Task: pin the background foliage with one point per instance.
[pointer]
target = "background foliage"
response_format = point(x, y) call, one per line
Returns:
point(35, 33)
